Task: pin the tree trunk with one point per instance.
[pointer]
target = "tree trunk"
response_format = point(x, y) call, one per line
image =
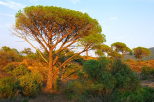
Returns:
point(87, 54)
point(49, 84)
point(51, 79)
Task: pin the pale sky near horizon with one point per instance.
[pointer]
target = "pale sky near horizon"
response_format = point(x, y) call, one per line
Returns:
point(128, 21)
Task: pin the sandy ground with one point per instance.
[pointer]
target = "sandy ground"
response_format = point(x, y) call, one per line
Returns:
point(148, 83)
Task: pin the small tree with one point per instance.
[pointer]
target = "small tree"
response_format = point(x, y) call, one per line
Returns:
point(121, 48)
point(94, 40)
point(105, 50)
point(27, 51)
point(8, 55)
point(141, 52)
point(55, 29)
point(102, 50)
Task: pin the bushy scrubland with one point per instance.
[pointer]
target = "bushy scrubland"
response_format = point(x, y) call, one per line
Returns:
point(101, 80)
point(147, 73)
point(106, 81)
point(20, 82)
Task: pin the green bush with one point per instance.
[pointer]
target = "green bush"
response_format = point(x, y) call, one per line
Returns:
point(101, 80)
point(95, 69)
point(9, 67)
point(31, 84)
point(126, 79)
point(147, 73)
point(27, 85)
point(139, 95)
point(16, 70)
point(94, 80)
point(9, 87)
point(73, 89)
point(92, 68)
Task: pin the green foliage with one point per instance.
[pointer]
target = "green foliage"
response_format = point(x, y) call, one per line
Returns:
point(22, 81)
point(103, 49)
point(8, 55)
point(93, 67)
point(119, 50)
point(31, 84)
point(55, 17)
point(68, 29)
point(141, 52)
point(8, 87)
point(73, 89)
point(16, 70)
point(79, 60)
point(90, 66)
point(103, 80)
point(126, 79)
point(120, 47)
point(93, 40)
point(9, 67)
point(139, 95)
point(64, 55)
point(27, 51)
point(147, 73)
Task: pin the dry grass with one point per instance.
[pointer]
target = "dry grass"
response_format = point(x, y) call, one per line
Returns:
point(137, 65)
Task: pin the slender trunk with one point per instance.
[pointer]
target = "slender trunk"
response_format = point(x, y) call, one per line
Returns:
point(55, 74)
point(87, 54)
point(49, 85)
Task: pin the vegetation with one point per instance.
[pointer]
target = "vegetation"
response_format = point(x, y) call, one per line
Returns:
point(121, 48)
point(102, 81)
point(151, 56)
point(141, 52)
point(20, 81)
point(60, 72)
point(56, 29)
point(147, 73)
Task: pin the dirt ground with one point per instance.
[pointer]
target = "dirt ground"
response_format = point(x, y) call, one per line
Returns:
point(148, 83)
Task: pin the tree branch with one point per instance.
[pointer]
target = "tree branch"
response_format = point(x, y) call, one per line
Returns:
point(18, 34)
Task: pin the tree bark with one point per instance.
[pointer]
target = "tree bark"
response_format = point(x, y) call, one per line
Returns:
point(87, 53)
point(55, 74)
point(52, 78)
point(49, 85)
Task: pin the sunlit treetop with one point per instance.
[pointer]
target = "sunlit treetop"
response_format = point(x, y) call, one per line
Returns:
point(57, 29)
point(55, 20)
point(141, 52)
point(120, 47)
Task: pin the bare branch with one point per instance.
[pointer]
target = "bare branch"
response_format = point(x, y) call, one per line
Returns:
point(18, 34)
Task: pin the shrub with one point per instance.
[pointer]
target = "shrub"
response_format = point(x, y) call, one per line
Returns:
point(139, 95)
point(31, 84)
point(16, 70)
point(9, 87)
point(94, 69)
point(101, 81)
point(126, 79)
point(147, 73)
point(95, 81)
point(73, 89)
point(9, 67)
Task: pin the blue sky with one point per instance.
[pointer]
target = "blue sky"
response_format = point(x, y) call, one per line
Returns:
point(128, 21)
